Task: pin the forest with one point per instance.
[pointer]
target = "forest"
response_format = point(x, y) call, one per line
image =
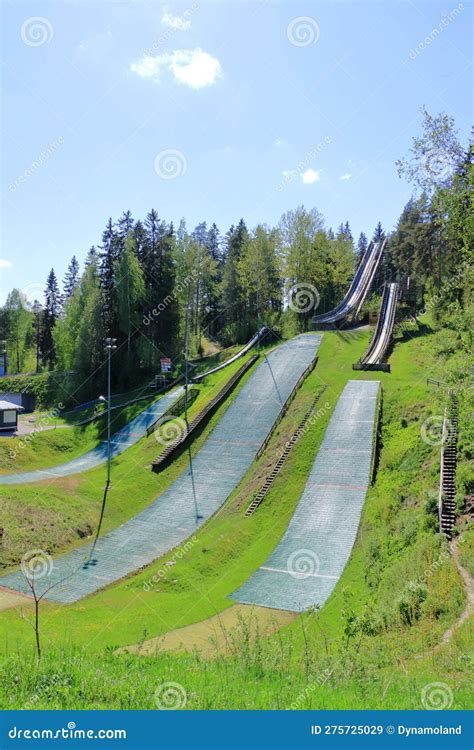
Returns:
point(142, 277)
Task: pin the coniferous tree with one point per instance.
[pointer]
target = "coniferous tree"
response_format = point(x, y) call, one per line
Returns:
point(52, 308)
point(71, 278)
point(379, 233)
point(130, 291)
point(91, 257)
point(362, 244)
point(213, 320)
point(232, 299)
point(124, 226)
point(108, 256)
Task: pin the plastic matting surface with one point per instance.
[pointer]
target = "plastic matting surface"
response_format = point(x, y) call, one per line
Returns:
point(307, 563)
point(177, 514)
point(120, 441)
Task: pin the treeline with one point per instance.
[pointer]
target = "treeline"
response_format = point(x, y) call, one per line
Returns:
point(138, 283)
point(145, 278)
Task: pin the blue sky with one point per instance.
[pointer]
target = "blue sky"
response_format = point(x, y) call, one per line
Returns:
point(263, 106)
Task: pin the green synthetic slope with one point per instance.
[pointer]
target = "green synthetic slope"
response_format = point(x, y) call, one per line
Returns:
point(366, 636)
point(55, 514)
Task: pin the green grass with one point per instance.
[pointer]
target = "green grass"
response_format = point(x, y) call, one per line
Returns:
point(385, 611)
point(55, 514)
point(43, 449)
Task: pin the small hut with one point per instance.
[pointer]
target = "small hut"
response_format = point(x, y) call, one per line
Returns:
point(9, 415)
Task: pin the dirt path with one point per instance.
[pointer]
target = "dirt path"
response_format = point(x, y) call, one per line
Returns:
point(10, 599)
point(469, 588)
point(217, 635)
point(468, 609)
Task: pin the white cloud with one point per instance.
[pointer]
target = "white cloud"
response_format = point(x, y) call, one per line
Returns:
point(176, 22)
point(279, 142)
point(310, 175)
point(345, 176)
point(194, 68)
point(287, 173)
point(5, 263)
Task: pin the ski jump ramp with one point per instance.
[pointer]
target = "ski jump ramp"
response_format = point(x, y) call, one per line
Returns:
point(120, 441)
point(307, 563)
point(375, 355)
point(359, 288)
point(178, 513)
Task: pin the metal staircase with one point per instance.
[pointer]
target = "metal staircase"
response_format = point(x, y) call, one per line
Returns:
point(447, 489)
point(259, 497)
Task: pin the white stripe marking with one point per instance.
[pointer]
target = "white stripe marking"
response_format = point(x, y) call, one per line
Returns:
point(294, 574)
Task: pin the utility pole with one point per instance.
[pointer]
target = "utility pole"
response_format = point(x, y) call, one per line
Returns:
point(186, 357)
point(37, 312)
point(110, 345)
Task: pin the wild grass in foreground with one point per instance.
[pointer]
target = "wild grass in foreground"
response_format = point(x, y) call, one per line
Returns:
point(254, 677)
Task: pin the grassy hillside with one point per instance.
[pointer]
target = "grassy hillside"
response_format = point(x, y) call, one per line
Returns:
point(370, 645)
point(54, 514)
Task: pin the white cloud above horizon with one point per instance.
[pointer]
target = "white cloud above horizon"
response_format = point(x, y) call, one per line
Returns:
point(345, 176)
point(5, 263)
point(174, 21)
point(194, 68)
point(309, 176)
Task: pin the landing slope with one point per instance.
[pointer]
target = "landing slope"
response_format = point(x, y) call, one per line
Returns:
point(307, 563)
point(179, 512)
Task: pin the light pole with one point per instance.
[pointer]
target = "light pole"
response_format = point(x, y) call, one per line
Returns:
point(3, 356)
point(186, 357)
point(37, 312)
point(110, 347)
